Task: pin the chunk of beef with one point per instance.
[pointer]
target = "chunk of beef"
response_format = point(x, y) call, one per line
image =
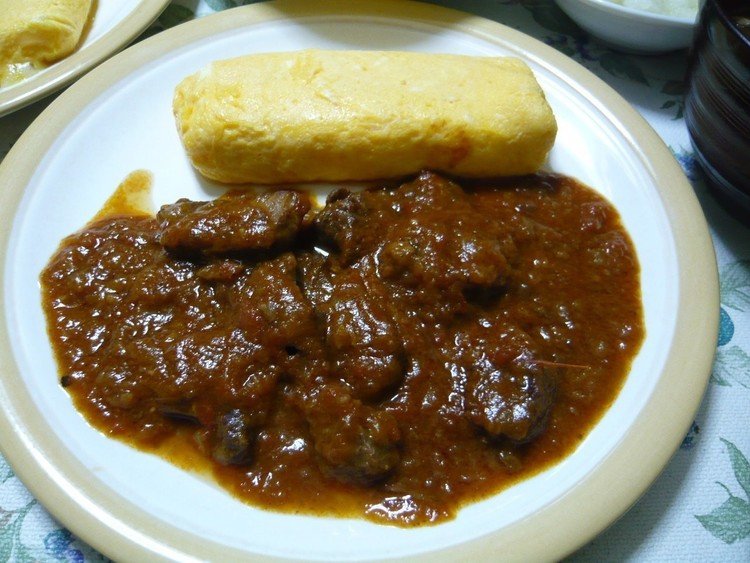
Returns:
point(235, 222)
point(507, 394)
point(361, 337)
point(355, 221)
point(314, 278)
point(433, 235)
point(513, 401)
point(352, 221)
point(355, 443)
point(273, 308)
point(234, 438)
point(447, 249)
point(428, 192)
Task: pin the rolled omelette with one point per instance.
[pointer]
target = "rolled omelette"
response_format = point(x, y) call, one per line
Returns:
point(314, 115)
point(35, 33)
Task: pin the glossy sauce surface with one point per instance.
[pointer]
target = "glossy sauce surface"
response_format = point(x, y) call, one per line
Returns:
point(395, 355)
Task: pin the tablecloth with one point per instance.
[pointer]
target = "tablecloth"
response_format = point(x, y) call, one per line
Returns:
point(699, 508)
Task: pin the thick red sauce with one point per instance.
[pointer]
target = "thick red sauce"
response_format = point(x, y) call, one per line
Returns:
point(396, 354)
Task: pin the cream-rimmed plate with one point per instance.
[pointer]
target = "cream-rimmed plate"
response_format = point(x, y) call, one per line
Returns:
point(115, 24)
point(118, 118)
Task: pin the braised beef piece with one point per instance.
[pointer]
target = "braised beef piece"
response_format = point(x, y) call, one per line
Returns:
point(442, 241)
point(354, 221)
point(425, 233)
point(275, 308)
point(355, 443)
point(363, 342)
point(271, 305)
point(513, 401)
point(271, 309)
point(362, 338)
point(430, 191)
point(314, 278)
point(445, 248)
point(430, 214)
point(234, 438)
point(350, 220)
point(508, 394)
point(236, 222)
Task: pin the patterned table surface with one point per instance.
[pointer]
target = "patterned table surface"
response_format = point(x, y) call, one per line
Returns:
point(699, 508)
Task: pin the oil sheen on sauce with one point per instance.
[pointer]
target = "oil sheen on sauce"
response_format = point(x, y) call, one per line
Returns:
point(395, 355)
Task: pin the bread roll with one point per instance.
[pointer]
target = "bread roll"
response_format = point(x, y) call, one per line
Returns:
point(356, 115)
point(38, 32)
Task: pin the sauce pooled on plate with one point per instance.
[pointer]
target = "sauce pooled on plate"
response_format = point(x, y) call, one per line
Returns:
point(396, 354)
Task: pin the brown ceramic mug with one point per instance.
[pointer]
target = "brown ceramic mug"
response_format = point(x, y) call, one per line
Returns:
point(717, 106)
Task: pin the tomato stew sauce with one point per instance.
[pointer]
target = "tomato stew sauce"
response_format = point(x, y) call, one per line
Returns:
point(394, 355)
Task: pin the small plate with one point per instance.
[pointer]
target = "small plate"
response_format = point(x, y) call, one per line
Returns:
point(115, 25)
point(117, 119)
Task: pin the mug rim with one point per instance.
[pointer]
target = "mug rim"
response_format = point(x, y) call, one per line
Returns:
point(728, 23)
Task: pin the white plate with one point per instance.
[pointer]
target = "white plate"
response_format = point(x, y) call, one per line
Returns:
point(115, 24)
point(117, 119)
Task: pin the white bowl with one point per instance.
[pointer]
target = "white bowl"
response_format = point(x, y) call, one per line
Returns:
point(629, 29)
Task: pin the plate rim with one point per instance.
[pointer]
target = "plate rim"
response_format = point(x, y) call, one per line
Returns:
point(89, 509)
point(65, 71)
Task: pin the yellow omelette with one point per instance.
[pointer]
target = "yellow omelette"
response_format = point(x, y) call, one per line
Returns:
point(36, 33)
